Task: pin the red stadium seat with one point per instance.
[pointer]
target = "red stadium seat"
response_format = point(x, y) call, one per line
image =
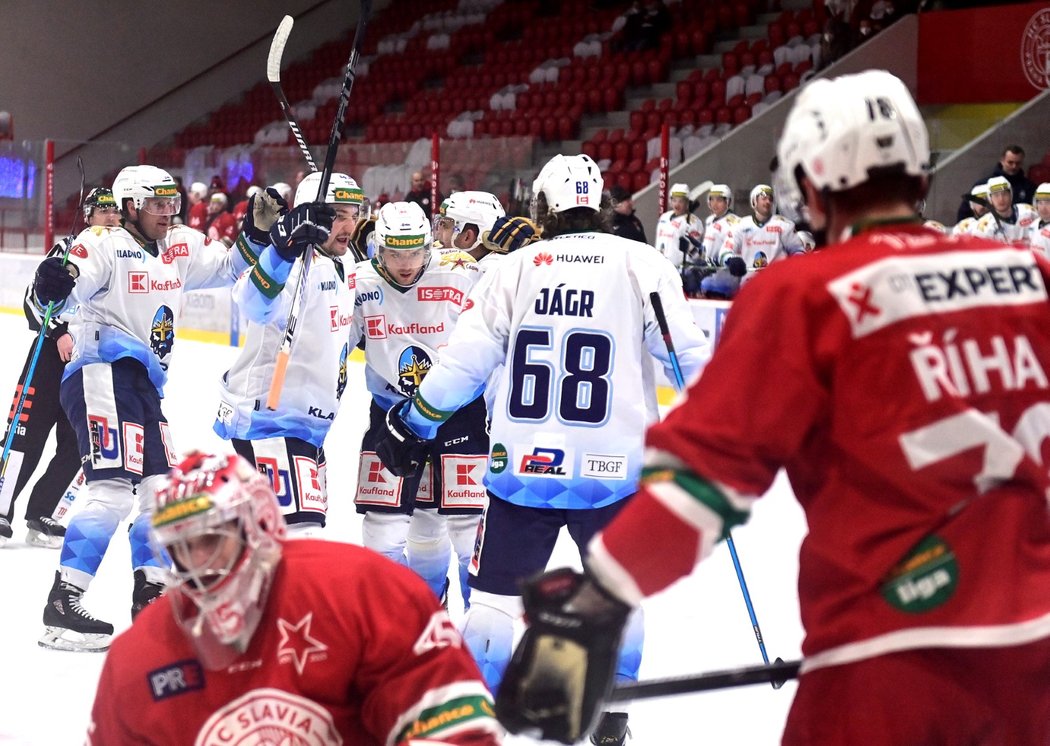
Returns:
point(741, 114)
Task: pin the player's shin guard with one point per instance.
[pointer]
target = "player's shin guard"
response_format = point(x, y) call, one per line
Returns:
point(463, 530)
point(108, 502)
point(429, 550)
point(489, 633)
point(386, 533)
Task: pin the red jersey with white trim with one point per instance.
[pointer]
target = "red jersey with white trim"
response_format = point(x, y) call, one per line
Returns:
point(911, 412)
point(351, 649)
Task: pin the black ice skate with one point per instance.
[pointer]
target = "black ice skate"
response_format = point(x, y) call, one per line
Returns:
point(143, 594)
point(5, 530)
point(612, 729)
point(68, 625)
point(44, 532)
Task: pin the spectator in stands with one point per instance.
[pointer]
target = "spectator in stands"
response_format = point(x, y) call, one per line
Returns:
point(656, 21)
point(197, 212)
point(624, 222)
point(420, 193)
point(835, 39)
point(1011, 166)
point(627, 29)
point(220, 224)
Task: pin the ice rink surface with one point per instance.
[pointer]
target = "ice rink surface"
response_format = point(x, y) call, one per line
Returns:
point(700, 624)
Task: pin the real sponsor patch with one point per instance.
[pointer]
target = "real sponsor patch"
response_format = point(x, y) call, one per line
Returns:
point(177, 678)
point(544, 461)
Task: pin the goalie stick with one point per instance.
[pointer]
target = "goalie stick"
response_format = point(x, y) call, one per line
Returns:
point(665, 331)
point(273, 397)
point(775, 674)
point(26, 384)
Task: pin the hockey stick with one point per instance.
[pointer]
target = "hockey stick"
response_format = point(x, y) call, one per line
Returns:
point(665, 331)
point(273, 74)
point(775, 674)
point(13, 423)
point(273, 398)
point(986, 204)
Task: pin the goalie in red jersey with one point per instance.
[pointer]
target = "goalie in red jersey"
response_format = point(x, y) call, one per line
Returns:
point(910, 413)
point(259, 639)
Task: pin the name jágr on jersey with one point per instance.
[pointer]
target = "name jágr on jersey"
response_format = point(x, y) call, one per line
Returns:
point(562, 301)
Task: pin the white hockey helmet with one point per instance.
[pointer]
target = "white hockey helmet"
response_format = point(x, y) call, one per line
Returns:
point(252, 191)
point(723, 191)
point(285, 190)
point(199, 189)
point(840, 132)
point(402, 239)
point(1042, 192)
point(342, 190)
point(479, 209)
point(567, 182)
point(147, 186)
point(679, 190)
point(223, 504)
point(980, 190)
point(998, 184)
point(760, 189)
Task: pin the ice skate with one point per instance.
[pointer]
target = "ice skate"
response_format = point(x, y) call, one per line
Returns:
point(68, 625)
point(45, 532)
point(612, 729)
point(144, 593)
point(5, 531)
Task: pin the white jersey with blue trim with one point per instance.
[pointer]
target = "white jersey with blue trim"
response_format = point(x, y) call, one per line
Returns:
point(316, 374)
point(130, 294)
point(760, 244)
point(404, 328)
point(573, 321)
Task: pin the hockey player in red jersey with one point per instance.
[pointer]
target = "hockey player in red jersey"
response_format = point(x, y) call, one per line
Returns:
point(911, 416)
point(251, 644)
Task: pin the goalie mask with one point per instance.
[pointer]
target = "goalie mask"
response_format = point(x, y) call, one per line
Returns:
point(476, 210)
point(401, 242)
point(219, 521)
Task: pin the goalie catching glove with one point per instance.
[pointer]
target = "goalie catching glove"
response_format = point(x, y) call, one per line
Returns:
point(402, 452)
point(297, 230)
point(264, 208)
point(509, 234)
point(563, 668)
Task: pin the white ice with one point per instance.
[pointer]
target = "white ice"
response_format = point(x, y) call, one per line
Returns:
point(700, 624)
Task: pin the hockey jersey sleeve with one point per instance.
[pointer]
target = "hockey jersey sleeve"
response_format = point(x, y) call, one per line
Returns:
point(476, 347)
point(259, 293)
point(416, 679)
point(94, 261)
point(211, 264)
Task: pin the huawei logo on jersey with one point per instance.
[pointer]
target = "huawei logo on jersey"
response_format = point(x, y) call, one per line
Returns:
point(542, 258)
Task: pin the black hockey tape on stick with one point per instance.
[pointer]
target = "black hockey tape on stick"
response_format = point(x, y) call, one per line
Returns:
point(775, 674)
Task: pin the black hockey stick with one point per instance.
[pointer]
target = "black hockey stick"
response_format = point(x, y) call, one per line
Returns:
point(988, 206)
point(665, 330)
point(13, 423)
point(775, 674)
point(273, 74)
point(273, 398)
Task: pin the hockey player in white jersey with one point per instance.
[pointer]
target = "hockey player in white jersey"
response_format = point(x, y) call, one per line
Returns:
point(979, 207)
point(129, 283)
point(764, 237)
point(287, 443)
point(718, 245)
point(477, 223)
point(1005, 221)
point(571, 317)
point(1039, 235)
point(409, 297)
point(679, 233)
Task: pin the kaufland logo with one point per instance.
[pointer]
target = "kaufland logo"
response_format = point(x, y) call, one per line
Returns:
point(339, 320)
point(375, 327)
point(453, 295)
point(138, 282)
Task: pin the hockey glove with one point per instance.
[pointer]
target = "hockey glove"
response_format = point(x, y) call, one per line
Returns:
point(509, 234)
point(264, 209)
point(402, 452)
point(54, 281)
point(563, 668)
point(359, 238)
point(297, 230)
point(736, 266)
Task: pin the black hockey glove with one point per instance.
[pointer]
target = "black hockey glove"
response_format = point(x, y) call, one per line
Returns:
point(509, 234)
point(736, 266)
point(564, 665)
point(295, 231)
point(54, 280)
point(402, 452)
point(264, 209)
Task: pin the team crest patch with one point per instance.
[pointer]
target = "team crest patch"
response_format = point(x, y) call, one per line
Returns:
point(412, 366)
point(162, 332)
